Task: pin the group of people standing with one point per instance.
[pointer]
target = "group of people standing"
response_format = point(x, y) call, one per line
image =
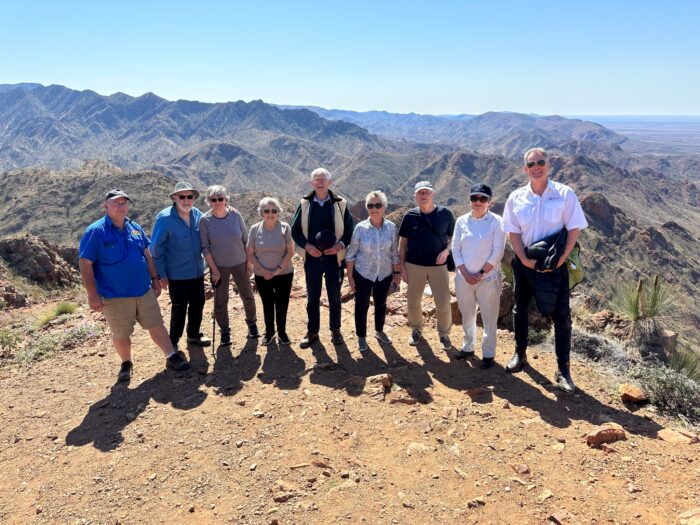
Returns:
point(123, 271)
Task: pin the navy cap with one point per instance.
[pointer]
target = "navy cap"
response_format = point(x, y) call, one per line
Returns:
point(115, 194)
point(481, 189)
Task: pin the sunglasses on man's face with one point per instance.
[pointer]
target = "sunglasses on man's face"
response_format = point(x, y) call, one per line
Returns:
point(273, 211)
point(217, 199)
point(478, 198)
point(540, 162)
point(375, 205)
point(183, 197)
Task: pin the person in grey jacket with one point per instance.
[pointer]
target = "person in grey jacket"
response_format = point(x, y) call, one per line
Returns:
point(224, 235)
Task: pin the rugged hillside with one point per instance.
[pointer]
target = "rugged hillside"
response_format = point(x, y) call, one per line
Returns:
point(502, 133)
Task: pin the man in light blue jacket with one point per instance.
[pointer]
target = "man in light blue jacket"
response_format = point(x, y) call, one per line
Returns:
point(177, 253)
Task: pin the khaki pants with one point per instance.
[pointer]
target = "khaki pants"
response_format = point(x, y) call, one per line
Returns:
point(439, 280)
point(245, 291)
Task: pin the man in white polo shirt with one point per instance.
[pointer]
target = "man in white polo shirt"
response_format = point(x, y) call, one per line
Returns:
point(532, 213)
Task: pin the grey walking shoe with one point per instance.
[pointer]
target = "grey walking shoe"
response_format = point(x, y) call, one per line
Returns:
point(445, 342)
point(382, 337)
point(362, 344)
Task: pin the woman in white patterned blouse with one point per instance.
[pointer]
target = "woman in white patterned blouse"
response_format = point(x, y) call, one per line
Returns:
point(373, 263)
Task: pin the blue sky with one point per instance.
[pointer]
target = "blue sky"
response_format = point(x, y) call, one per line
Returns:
point(566, 57)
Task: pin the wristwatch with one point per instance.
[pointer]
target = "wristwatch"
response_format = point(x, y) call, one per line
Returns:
point(482, 272)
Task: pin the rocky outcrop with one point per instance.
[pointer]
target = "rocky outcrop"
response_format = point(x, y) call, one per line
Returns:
point(10, 295)
point(37, 260)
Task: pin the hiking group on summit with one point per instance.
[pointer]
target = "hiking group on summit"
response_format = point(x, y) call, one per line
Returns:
point(124, 271)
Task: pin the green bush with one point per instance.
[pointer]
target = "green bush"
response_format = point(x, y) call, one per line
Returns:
point(9, 341)
point(58, 310)
point(673, 392)
point(686, 362)
point(647, 309)
point(78, 334)
point(38, 348)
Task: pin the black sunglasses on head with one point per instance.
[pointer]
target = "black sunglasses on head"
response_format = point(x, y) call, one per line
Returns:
point(217, 199)
point(540, 162)
point(478, 198)
point(183, 197)
point(377, 205)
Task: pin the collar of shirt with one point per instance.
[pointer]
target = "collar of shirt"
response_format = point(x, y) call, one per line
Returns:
point(549, 188)
point(322, 202)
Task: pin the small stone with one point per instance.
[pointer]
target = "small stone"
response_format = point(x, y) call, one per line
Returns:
point(506, 404)
point(345, 474)
point(521, 468)
point(631, 488)
point(606, 433)
point(558, 447)
point(130, 416)
point(476, 502)
point(239, 443)
point(690, 517)
point(258, 413)
point(678, 436)
point(191, 509)
point(253, 467)
point(546, 494)
point(632, 394)
point(562, 517)
point(152, 476)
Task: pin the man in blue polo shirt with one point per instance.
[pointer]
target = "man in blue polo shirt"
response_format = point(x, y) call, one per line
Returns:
point(177, 251)
point(121, 281)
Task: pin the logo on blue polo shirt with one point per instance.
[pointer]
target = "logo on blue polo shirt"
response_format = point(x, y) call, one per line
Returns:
point(136, 233)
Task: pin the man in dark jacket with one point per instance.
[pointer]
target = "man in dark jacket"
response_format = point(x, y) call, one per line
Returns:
point(322, 228)
point(537, 210)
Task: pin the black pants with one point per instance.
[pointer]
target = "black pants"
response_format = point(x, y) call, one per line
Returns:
point(524, 284)
point(315, 268)
point(274, 295)
point(183, 294)
point(364, 288)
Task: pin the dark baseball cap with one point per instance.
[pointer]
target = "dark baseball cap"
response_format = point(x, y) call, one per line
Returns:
point(116, 193)
point(481, 189)
point(325, 239)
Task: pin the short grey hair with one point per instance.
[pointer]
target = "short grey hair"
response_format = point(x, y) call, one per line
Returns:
point(321, 171)
point(269, 200)
point(376, 194)
point(217, 191)
point(541, 151)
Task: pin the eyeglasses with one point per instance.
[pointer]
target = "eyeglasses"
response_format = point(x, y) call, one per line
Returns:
point(478, 198)
point(375, 205)
point(217, 199)
point(540, 162)
point(272, 211)
point(183, 197)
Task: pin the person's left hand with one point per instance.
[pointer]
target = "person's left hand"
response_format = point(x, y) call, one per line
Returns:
point(473, 278)
point(442, 257)
point(562, 260)
point(155, 284)
point(268, 275)
point(334, 249)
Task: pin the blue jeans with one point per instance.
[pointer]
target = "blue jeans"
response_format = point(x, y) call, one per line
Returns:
point(315, 268)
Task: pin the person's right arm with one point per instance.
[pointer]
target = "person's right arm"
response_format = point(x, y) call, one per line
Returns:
point(208, 257)
point(403, 244)
point(516, 241)
point(159, 238)
point(350, 256)
point(87, 275)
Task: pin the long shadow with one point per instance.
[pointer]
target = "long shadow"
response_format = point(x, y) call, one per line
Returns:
point(350, 375)
point(282, 367)
point(560, 412)
point(106, 419)
point(230, 373)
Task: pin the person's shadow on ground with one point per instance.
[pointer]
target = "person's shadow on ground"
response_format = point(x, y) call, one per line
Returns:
point(106, 419)
point(482, 385)
point(230, 373)
point(282, 367)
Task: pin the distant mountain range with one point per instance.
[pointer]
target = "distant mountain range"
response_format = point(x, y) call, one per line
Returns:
point(502, 133)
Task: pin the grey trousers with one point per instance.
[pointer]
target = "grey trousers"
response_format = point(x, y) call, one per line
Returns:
point(245, 291)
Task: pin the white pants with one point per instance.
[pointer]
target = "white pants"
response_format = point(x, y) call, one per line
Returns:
point(487, 296)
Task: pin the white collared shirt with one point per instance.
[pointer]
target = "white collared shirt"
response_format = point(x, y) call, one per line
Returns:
point(535, 217)
point(476, 242)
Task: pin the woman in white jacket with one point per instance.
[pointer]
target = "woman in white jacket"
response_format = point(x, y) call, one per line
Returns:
point(477, 247)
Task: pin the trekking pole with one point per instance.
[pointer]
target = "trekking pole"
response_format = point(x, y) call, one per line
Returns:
point(213, 319)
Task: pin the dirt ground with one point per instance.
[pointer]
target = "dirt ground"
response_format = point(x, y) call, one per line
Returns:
point(284, 435)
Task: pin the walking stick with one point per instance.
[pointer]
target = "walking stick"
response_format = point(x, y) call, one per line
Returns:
point(213, 319)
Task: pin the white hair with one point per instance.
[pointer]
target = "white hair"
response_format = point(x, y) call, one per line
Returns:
point(269, 200)
point(376, 194)
point(217, 191)
point(541, 151)
point(321, 171)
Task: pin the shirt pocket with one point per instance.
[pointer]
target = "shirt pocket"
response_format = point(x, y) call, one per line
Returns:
point(554, 211)
point(111, 253)
point(183, 241)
